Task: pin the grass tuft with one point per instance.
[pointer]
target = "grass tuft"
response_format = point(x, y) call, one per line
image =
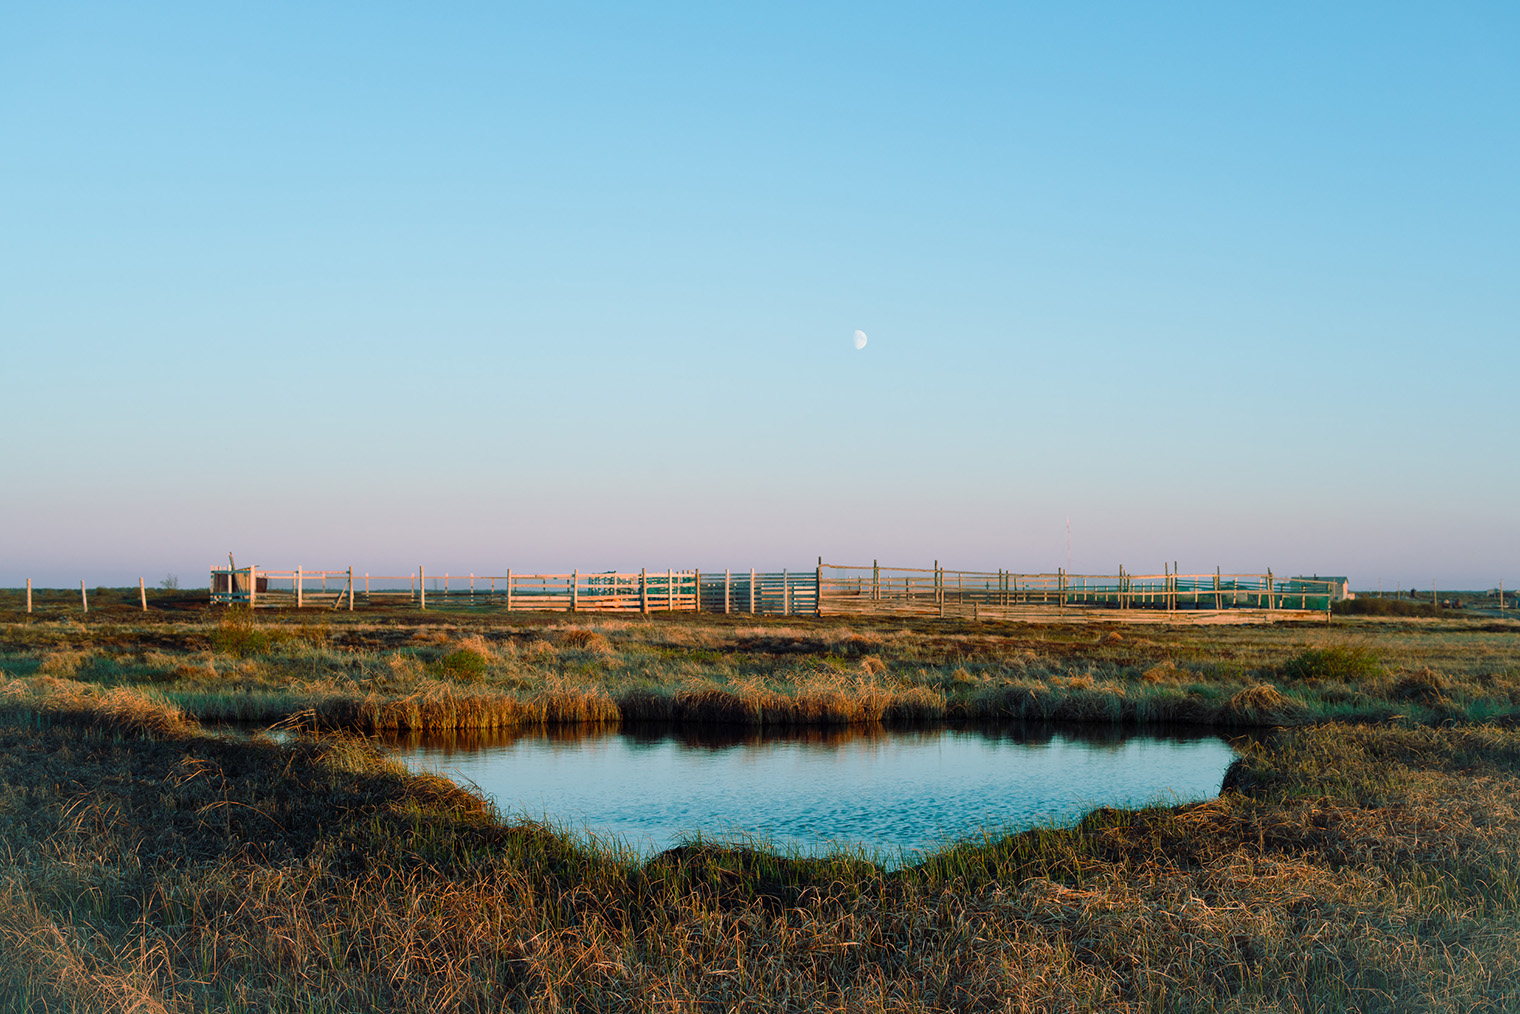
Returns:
point(580, 639)
point(1424, 686)
point(1260, 705)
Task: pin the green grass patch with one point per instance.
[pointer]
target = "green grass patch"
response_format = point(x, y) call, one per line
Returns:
point(1337, 662)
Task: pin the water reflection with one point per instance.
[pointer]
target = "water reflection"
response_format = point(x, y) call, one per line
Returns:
point(888, 790)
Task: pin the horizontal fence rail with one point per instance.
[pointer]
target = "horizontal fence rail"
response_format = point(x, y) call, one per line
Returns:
point(826, 590)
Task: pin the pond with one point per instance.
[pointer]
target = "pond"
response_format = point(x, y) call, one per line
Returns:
point(893, 793)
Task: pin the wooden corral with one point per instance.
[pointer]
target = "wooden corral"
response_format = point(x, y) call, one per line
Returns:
point(826, 590)
point(877, 590)
point(644, 591)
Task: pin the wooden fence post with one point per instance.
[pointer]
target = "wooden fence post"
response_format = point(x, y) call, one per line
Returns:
point(728, 589)
point(350, 588)
point(142, 594)
point(696, 575)
point(752, 591)
point(786, 594)
point(421, 587)
point(84, 600)
point(670, 591)
point(575, 591)
point(818, 591)
point(253, 585)
point(29, 596)
point(509, 589)
point(875, 580)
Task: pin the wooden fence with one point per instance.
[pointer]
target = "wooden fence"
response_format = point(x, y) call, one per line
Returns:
point(877, 590)
point(643, 592)
point(827, 590)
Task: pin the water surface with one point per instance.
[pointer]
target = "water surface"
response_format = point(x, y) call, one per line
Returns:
point(892, 793)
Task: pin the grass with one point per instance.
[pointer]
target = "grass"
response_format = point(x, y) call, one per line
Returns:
point(407, 670)
point(1360, 858)
point(148, 866)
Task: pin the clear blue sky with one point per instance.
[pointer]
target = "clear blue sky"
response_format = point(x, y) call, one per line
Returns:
point(545, 286)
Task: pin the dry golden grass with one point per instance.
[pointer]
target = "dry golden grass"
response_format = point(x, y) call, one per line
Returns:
point(726, 669)
point(149, 867)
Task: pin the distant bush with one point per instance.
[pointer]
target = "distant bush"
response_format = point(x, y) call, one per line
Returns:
point(1333, 663)
point(1384, 607)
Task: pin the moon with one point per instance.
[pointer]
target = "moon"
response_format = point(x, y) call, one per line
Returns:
point(860, 339)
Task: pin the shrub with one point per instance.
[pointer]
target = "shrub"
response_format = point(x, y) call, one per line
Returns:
point(1338, 662)
point(464, 665)
point(237, 635)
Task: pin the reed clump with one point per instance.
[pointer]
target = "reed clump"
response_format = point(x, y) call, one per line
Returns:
point(438, 706)
point(1262, 704)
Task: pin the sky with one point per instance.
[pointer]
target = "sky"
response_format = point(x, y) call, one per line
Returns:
point(480, 286)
